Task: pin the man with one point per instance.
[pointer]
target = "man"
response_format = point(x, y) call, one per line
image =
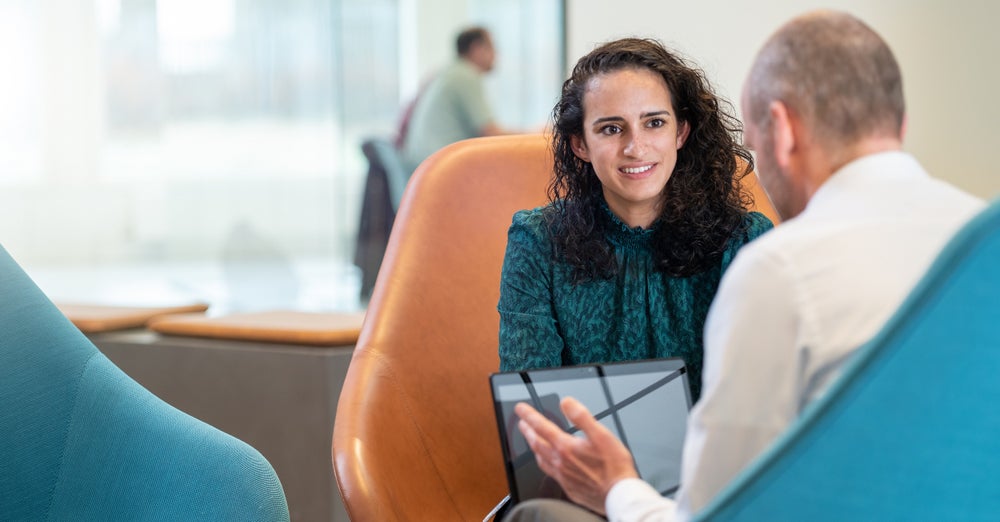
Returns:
point(453, 106)
point(823, 107)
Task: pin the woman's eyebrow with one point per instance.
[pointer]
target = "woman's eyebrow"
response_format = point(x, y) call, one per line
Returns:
point(607, 119)
point(655, 113)
point(644, 115)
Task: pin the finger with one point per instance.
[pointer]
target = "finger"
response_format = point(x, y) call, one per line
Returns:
point(611, 453)
point(527, 413)
point(522, 409)
point(580, 416)
point(544, 428)
point(536, 443)
point(544, 455)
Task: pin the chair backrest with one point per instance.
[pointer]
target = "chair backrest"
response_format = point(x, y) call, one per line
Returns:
point(384, 185)
point(382, 154)
point(415, 436)
point(761, 201)
point(83, 441)
point(910, 430)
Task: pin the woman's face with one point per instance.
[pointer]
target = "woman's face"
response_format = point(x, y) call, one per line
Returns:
point(631, 136)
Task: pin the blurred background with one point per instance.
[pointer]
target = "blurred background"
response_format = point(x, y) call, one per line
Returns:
point(158, 151)
point(161, 151)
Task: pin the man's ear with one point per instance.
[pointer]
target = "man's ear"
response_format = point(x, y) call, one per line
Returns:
point(683, 130)
point(579, 147)
point(782, 133)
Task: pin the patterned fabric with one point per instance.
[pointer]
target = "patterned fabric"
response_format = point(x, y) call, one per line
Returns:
point(546, 320)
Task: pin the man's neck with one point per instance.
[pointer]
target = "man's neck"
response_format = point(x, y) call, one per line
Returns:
point(865, 147)
point(472, 63)
point(826, 163)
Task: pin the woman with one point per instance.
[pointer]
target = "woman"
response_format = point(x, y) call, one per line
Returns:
point(646, 213)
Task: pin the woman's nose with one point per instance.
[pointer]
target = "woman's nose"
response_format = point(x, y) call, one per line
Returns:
point(635, 145)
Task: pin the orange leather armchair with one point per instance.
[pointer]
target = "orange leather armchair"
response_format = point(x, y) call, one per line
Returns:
point(415, 436)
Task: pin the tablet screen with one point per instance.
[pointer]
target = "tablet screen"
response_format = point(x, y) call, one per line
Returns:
point(644, 403)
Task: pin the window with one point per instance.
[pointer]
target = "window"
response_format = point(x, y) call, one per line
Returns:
point(178, 150)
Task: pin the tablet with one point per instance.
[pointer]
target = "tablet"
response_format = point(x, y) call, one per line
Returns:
point(644, 403)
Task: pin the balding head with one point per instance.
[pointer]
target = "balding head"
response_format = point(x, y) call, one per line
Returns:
point(835, 73)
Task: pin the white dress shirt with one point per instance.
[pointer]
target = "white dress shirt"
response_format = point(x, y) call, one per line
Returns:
point(793, 306)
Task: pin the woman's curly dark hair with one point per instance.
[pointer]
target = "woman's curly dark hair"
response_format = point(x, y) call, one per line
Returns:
point(703, 203)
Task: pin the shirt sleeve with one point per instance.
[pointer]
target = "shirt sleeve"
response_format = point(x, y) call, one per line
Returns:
point(751, 386)
point(529, 336)
point(634, 500)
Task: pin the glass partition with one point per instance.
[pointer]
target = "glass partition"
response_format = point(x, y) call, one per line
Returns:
point(177, 150)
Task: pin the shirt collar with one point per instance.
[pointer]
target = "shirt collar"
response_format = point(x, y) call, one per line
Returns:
point(883, 168)
point(622, 234)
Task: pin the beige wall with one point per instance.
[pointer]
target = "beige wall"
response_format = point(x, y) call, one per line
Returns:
point(947, 50)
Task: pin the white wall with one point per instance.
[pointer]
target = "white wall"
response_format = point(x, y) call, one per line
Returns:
point(434, 25)
point(947, 50)
point(526, 78)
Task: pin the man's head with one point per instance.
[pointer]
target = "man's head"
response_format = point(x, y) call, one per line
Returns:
point(824, 90)
point(476, 46)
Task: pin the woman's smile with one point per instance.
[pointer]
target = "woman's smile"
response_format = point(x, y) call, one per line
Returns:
point(640, 172)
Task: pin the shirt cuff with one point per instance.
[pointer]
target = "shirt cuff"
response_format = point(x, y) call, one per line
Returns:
point(633, 499)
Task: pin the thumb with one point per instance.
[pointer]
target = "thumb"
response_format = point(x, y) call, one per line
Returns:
point(580, 416)
point(614, 458)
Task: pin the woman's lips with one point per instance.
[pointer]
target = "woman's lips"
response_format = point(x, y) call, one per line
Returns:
point(637, 172)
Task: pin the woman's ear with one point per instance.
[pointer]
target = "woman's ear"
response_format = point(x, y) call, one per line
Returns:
point(579, 147)
point(682, 133)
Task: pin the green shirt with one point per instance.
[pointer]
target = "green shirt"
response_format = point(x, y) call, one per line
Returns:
point(546, 320)
point(452, 108)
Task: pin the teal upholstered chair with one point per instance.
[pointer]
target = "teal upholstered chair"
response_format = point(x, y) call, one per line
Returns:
point(912, 429)
point(80, 440)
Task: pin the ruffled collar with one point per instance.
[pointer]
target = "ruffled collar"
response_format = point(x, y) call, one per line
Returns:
point(619, 233)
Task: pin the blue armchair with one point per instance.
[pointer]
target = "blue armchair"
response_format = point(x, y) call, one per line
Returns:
point(80, 440)
point(911, 431)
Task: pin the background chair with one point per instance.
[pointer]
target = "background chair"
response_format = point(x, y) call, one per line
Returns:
point(415, 436)
point(83, 441)
point(384, 185)
point(910, 431)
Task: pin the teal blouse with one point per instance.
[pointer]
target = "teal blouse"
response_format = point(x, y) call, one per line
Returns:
point(546, 320)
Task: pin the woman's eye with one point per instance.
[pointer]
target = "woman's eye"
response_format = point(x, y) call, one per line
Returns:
point(610, 129)
point(656, 122)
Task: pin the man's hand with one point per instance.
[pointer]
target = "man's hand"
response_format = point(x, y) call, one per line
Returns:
point(586, 468)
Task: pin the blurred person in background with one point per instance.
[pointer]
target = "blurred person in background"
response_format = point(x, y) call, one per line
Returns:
point(452, 106)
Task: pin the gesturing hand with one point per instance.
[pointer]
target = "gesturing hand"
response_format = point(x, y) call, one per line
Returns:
point(586, 468)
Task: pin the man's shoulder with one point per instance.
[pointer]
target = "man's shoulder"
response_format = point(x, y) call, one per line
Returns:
point(459, 71)
point(777, 240)
point(862, 237)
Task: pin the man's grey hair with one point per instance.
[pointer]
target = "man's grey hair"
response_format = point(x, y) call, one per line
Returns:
point(835, 73)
